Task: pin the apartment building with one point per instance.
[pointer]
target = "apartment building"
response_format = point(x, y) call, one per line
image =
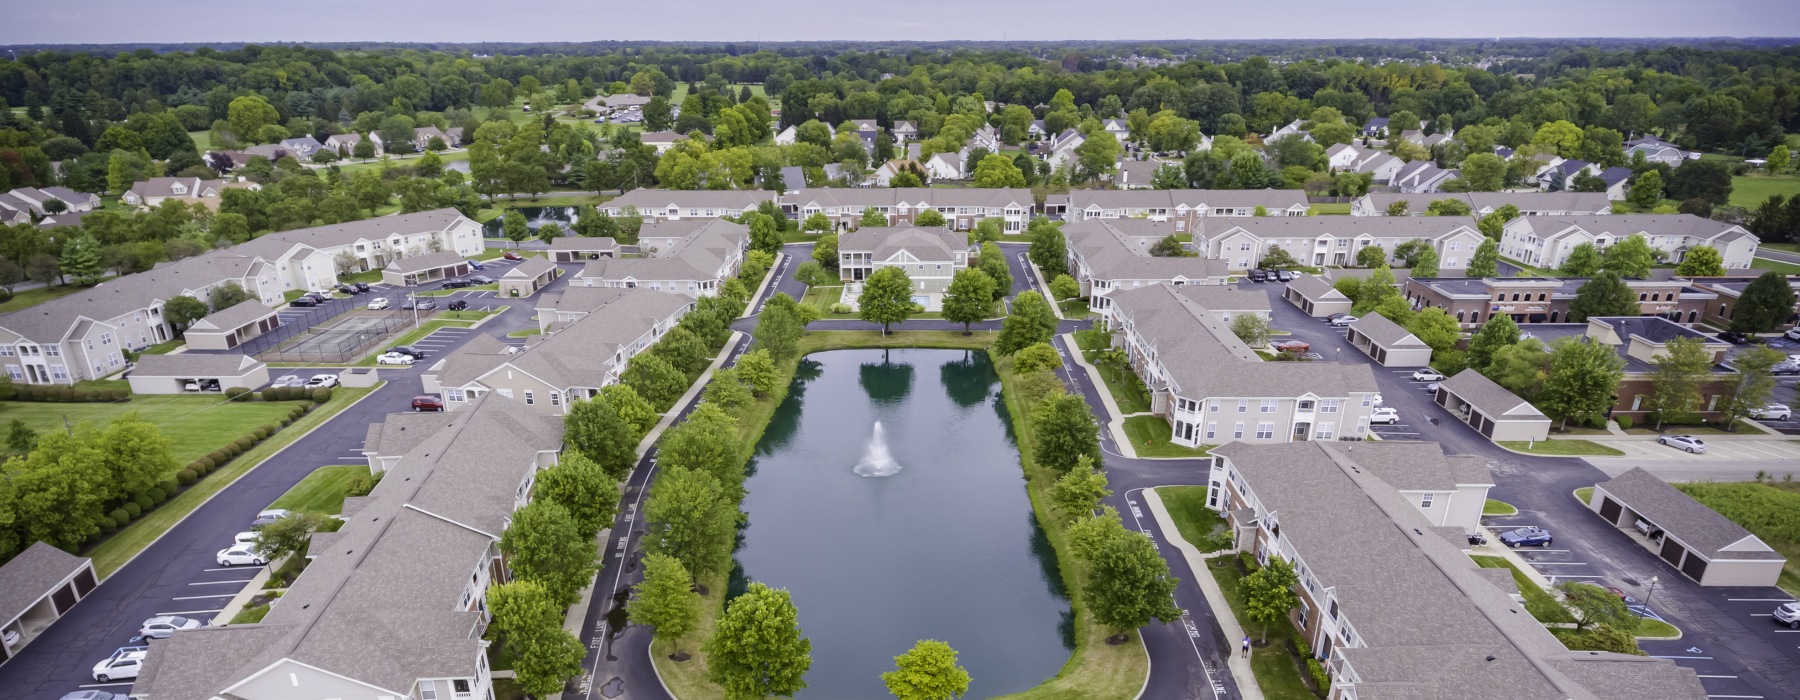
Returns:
point(691, 257)
point(1213, 388)
point(393, 605)
point(1472, 301)
point(1484, 203)
point(930, 257)
point(1112, 254)
point(1389, 601)
point(672, 205)
point(962, 208)
point(1335, 240)
point(1547, 241)
point(1186, 208)
point(572, 360)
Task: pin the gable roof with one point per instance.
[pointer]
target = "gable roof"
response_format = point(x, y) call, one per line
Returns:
point(1270, 199)
point(194, 365)
point(578, 355)
point(530, 268)
point(1389, 227)
point(1697, 526)
point(931, 244)
point(30, 576)
point(1101, 245)
point(239, 315)
point(1493, 400)
point(426, 261)
point(657, 201)
point(584, 243)
point(1386, 333)
point(1316, 288)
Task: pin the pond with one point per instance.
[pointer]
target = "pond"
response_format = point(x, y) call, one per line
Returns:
point(534, 217)
point(937, 542)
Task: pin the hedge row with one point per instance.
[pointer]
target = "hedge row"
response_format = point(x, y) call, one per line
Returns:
point(286, 393)
point(66, 394)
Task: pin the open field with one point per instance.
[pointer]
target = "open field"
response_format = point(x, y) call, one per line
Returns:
point(195, 425)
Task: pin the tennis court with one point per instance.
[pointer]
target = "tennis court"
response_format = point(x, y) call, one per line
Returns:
point(339, 342)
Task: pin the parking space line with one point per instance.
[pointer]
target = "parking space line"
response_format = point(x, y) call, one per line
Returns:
point(1699, 658)
point(224, 569)
point(209, 583)
point(1734, 696)
point(101, 685)
point(1558, 563)
point(1702, 676)
point(200, 597)
point(1761, 600)
point(1762, 614)
point(190, 612)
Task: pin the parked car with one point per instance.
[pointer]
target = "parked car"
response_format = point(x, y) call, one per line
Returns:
point(1286, 275)
point(1259, 276)
point(1385, 415)
point(1788, 614)
point(416, 353)
point(269, 516)
point(303, 302)
point(393, 358)
point(513, 256)
point(1689, 443)
point(245, 537)
point(1432, 388)
point(1527, 537)
point(347, 289)
point(1427, 375)
point(1378, 401)
point(409, 304)
point(457, 305)
point(1785, 368)
point(1292, 346)
point(322, 380)
point(161, 626)
point(427, 403)
point(483, 279)
point(1734, 337)
point(286, 380)
point(456, 284)
point(360, 286)
point(124, 663)
point(1792, 333)
point(241, 554)
point(1772, 411)
point(1334, 317)
point(427, 304)
point(1343, 320)
point(477, 265)
point(378, 303)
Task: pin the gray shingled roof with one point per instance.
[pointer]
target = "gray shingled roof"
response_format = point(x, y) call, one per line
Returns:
point(931, 196)
point(1700, 528)
point(30, 576)
point(699, 255)
point(1389, 227)
point(1385, 333)
point(530, 268)
point(1621, 225)
point(931, 244)
point(195, 365)
point(1525, 201)
point(242, 314)
point(1170, 199)
point(427, 261)
point(584, 243)
point(1493, 400)
point(576, 355)
point(1316, 288)
point(648, 200)
point(1100, 243)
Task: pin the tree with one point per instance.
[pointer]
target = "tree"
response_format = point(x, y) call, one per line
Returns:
point(1500, 331)
point(1705, 180)
point(529, 618)
point(707, 441)
point(779, 327)
point(1448, 207)
point(1753, 385)
point(1268, 593)
point(825, 251)
point(1483, 172)
point(1701, 261)
point(1604, 295)
point(1049, 250)
point(1426, 264)
point(1494, 224)
point(288, 536)
point(1581, 380)
point(997, 170)
point(583, 488)
point(1129, 583)
point(1583, 261)
point(1398, 207)
point(630, 406)
point(654, 378)
point(1779, 158)
point(1065, 431)
point(1253, 329)
point(1031, 321)
point(1767, 302)
point(1169, 247)
point(81, 260)
point(886, 298)
point(182, 311)
point(1065, 287)
point(248, 115)
point(545, 544)
point(757, 649)
point(927, 671)
point(226, 296)
point(1097, 157)
point(596, 431)
point(514, 225)
point(993, 262)
point(1593, 605)
point(1632, 257)
point(692, 519)
point(1277, 258)
point(666, 600)
point(1435, 327)
point(969, 298)
point(1371, 292)
point(1486, 260)
point(765, 233)
point(1077, 493)
point(1371, 256)
point(928, 218)
point(1676, 376)
point(1646, 190)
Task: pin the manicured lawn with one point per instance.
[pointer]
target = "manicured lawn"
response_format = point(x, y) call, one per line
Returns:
point(27, 298)
point(108, 556)
point(1656, 629)
point(1127, 390)
point(525, 333)
point(321, 491)
point(1342, 209)
point(1749, 191)
point(1585, 493)
point(1150, 437)
point(1200, 526)
point(1276, 673)
point(1534, 271)
point(552, 199)
point(202, 140)
point(1075, 309)
point(1776, 265)
point(1563, 448)
point(1494, 507)
point(1767, 509)
point(822, 298)
point(378, 164)
point(195, 425)
point(1538, 602)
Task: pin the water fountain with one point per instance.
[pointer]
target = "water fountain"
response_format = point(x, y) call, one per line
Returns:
point(877, 461)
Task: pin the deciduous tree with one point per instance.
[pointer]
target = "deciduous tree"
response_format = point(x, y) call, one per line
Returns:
point(1604, 295)
point(182, 311)
point(993, 262)
point(595, 429)
point(1583, 261)
point(1593, 606)
point(1753, 385)
point(1065, 431)
point(1077, 493)
point(1253, 329)
point(529, 618)
point(1268, 593)
point(1701, 261)
point(666, 600)
point(1129, 584)
point(706, 441)
point(969, 298)
point(692, 519)
point(545, 544)
point(1031, 321)
point(1499, 331)
point(583, 488)
point(1049, 250)
point(927, 671)
point(757, 649)
point(886, 298)
point(1767, 302)
point(655, 379)
point(1632, 257)
point(1676, 376)
point(1486, 260)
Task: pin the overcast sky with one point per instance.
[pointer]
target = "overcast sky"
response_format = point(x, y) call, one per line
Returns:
point(121, 21)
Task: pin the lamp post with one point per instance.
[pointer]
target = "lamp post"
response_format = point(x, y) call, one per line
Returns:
point(1651, 594)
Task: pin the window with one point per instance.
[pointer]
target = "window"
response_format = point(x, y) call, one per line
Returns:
point(1304, 406)
point(1243, 405)
point(1327, 430)
point(555, 398)
point(53, 351)
point(1268, 406)
point(1329, 405)
point(1425, 501)
point(505, 392)
point(529, 398)
point(453, 394)
point(427, 690)
point(58, 372)
point(1212, 406)
point(16, 373)
point(1367, 400)
point(1237, 431)
point(460, 686)
point(1265, 431)
point(1212, 431)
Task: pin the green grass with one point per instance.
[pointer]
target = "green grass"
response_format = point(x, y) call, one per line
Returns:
point(1533, 271)
point(1767, 510)
point(1562, 448)
point(321, 491)
point(1149, 436)
point(1276, 673)
point(250, 616)
point(1538, 602)
point(1776, 265)
point(1200, 526)
point(1337, 209)
point(377, 164)
point(161, 348)
point(1075, 309)
point(1749, 191)
point(1656, 629)
point(553, 199)
point(1585, 494)
point(1127, 390)
point(1494, 507)
point(25, 299)
point(202, 140)
point(681, 91)
point(108, 556)
point(822, 298)
point(195, 425)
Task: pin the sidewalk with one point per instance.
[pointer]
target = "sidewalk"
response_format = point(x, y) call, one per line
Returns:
point(1115, 422)
point(1215, 597)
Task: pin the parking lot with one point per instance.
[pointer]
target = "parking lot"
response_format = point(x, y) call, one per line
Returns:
point(1732, 449)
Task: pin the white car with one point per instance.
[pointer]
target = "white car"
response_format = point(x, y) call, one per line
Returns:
point(124, 663)
point(1772, 411)
point(286, 380)
point(1342, 321)
point(269, 516)
point(378, 303)
point(245, 537)
point(394, 358)
point(241, 554)
point(1378, 401)
point(1432, 387)
point(1792, 334)
point(1691, 444)
point(1385, 415)
point(322, 380)
point(163, 626)
point(1427, 375)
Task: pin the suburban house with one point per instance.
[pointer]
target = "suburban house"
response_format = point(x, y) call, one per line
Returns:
point(395, 603)
point(661, 140)
point(1389, 344)
point(1117, 128)
point(962, 208)
point(1106, 255)
point(787, 136)
point(905, 131)
point(1184, 207)
point(320, 253)
point(1350, 158)
point(1376, 533)
point(947, 166)
point(1656, 150)
point(624, 100)
point(1213, 388)
point(1422, 176)
point(929, 256)
point(1490, 409)
point(1375, 127)
point(37, 587)
point(303, 147)
point(1484, 203)
point(1546, 299)
point(1335, 240)
point(1292, 128)
point(690, 257)
point(1061, 148)
point(568, 362)
point(154, 191)
point(21, 205)
point(1429, 141)
point(1138, 174)
point(1546, 241)
point(1701, 544)
point(671, 205)
point(421, 139)
point(342, 144)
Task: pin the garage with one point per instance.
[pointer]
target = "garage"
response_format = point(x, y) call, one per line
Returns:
point(527, 277)
point(1316, 297)
point(1389, 344)
point(37, 587)
point(229, 328)
point(423, 269)
point(197, 373)
point(1490, 409)
point(1692, 538)
point(582, 248)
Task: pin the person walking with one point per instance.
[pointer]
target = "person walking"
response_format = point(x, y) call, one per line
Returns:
point(1246, 646)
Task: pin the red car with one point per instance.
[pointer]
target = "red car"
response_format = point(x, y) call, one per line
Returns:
point(427, 403)
point(513, 256)
point(1292, 346)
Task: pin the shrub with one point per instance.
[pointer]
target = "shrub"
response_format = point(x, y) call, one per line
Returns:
point(120, 515)
point(241, 444)
point(133, 509)
point(1625, 422)
point(297, 412)
point(107, 524)
point(841, 309)
point(285, 422)
point(217, 456)
point(1320, 680)
point(186, 476)
point(143, 503)
point(321, 394)
point(170, 485)
point(260, 433)
point(236, 392)
point(363, 484)
point(156, 495)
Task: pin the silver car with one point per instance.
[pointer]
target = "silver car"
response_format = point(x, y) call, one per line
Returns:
point(1688, 443)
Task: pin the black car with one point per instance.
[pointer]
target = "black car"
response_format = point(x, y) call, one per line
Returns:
point(458, 305)
point(415, 353)
point(482, 279)
point(456, 284)
point(347, 289)
point(1259, 276)
point(361, 286)
point(1734, 337)
point(304, 302)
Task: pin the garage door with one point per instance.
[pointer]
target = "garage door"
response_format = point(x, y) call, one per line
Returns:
point(84, 582)
point(64, 598)
point(1487, 427)
point(1695, 568)
point(1672, 550)
point(1610, 509)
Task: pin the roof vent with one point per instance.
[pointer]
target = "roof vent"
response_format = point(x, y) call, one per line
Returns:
point(1490, 657)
